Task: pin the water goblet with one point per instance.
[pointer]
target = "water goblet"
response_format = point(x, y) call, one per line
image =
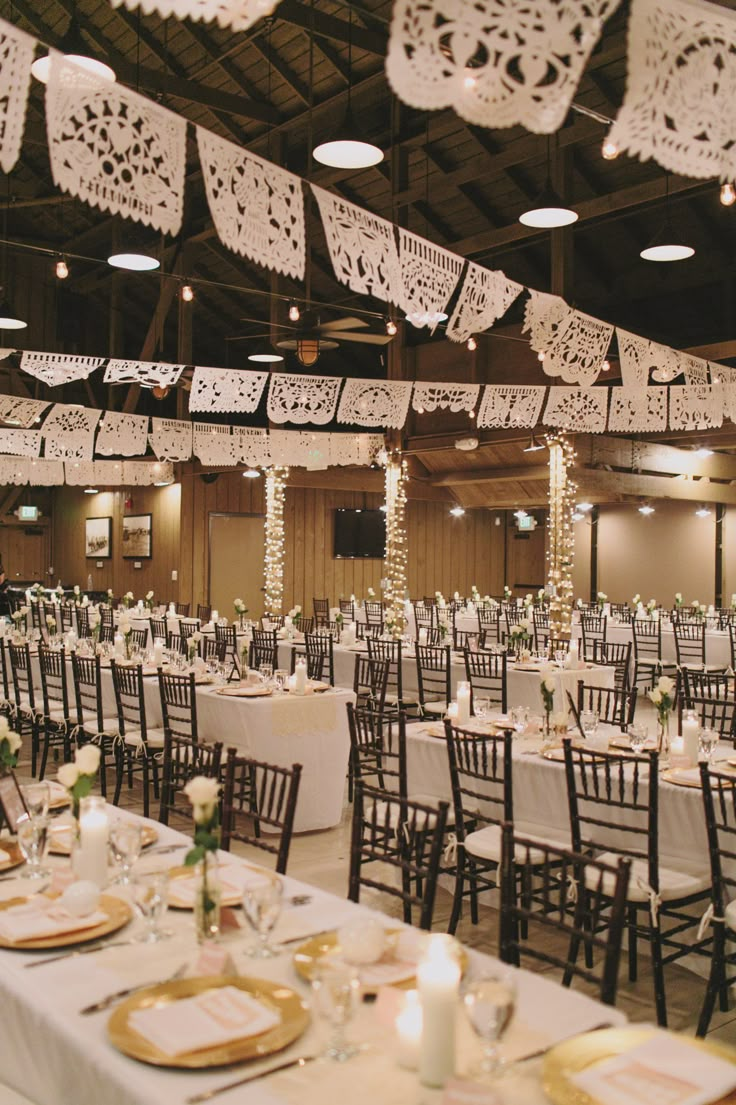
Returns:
point(150, 894)
point(266, 671)
point(589, 722)
point(519, 717)
point(32, 841)
point(560, 656)
point(638, 736)
point(280, 678)
point(336, 988)
point(36, 797)
point(126, 841)
point(262, 908)
point(489, 999)
point(481, 708)
point(707, 744)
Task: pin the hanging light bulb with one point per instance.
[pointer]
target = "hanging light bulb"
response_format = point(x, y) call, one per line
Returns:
point(540, 355)
point(728, 194)
point(609, 150)
point(62, 269)
point(187, 293)
point(472, 344)
point(391, 327)
point(457, 511)
point(646, 509)
point(605, 367)
point(294, 312)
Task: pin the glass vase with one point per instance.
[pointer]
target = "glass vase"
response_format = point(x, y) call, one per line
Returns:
point(207, 900)
point(663, 737)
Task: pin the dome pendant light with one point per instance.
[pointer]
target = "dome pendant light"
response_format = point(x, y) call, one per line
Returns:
point(9, 319)
point(133, 262)
point(76, 50)
point(548, 210)
point(347, 150)
point(666, 245)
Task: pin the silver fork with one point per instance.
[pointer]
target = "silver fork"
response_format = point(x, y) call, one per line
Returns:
point(111, 999)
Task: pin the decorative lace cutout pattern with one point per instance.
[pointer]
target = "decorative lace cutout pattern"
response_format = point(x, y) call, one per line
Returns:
point(171, 438)
point(300, 448)
point(455, 397)
point(697, 371)
point(303, 398)
point(375, 403)
point(498, 64)
point(637, 410)
point(20, 443)
point(58, 368)
point(38, 473)
point(239, 15)
point(510, 406)
point(486, 296)
point(142, 473)
point(90, 473)
point(362, 247)
point(699, 407)
point(576, 353)
point(578, 409)
point(681, 82)
point(69, 432)
point(114, 149)
point(640, 357)
point(219, 390)
point(257, 207)
point(16, 54)
point(254, 447)
point(357, 449)
point(21, 412)
point(149, 374)
point(429, 275)
point(215, 444)
point(125, 435)
point(543, 316)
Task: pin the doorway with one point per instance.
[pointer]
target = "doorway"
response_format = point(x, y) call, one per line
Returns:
point(236, 562)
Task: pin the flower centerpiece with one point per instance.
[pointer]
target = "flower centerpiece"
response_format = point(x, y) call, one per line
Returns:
point(193, 645)
point(148, 601)
point(528, 601)
point(77, 594)
point(579, 604)
point(339, 619)
point(110, 595)
point(10, 743)
point(20, 619)
point(698, 609)
point(94, 625)
point(51, 624)
point(59, 591)
point(474, 595)
point(125, 628)
point(440, 599)
point(203, 793)
point(128, 599)
point(79, 775)
point(601, 599)
point(547, 687)
point(651, 607)
point(678, 599)
point(636, 600)
point(390, 623)
point(371, 594)
point(443, 624)
point(240, 609)
point(295, 614)
point(506, 592)
point(519, 634)
point(663, 699)
point(539, 600)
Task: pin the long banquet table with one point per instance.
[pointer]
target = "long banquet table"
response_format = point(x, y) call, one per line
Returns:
point(53, 1055)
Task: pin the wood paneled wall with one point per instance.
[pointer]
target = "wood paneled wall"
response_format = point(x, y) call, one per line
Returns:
point(72, 506)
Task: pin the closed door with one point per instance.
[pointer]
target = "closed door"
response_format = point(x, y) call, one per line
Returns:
point(236, 562)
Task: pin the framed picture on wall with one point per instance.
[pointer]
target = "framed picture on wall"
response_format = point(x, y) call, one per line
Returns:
point(137, 536)
point(98, 538)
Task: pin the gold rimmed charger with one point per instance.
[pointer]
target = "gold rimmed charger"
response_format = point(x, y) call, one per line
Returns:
point(245, 692)
point(678, 776)
point(60, 839)
point(15, 856)
point(572, 1056)
point(293, 1013)
point(180, 874)
point(309, 954)
point(118, 913)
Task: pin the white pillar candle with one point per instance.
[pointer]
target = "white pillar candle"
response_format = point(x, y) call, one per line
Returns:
point(438, 978)
point(158, 652)
point(352, 633)
point(119, 647)
point(71, 640)
point(300, 677)
point(140, 605)
point(422, 636)
point(677, 747)
point(463, 703)
point(408, 1025)
point(573, 655)
point(215, 616)
point(172, 610)
point(691, 736)
point(90, 859)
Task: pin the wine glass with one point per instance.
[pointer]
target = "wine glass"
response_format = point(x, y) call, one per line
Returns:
point(707, 744)
point(280, 677)
point(589, 722)
point(262, 908)
point(519, 718)
point(638, 736)
point(32, 841)
point(481, 708)
point(126, 841)
point(150, 893)
point(266, 671)
point(489, 999)
point(36, 797)
point(336, 988)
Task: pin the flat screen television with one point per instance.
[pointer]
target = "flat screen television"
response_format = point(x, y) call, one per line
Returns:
point(359, 534)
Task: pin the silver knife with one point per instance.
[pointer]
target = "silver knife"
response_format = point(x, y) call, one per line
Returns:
point(207, 1095)
point(79, 951)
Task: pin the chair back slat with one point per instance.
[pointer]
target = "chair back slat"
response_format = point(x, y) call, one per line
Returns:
point(54, 687)
point(183, 760)
point(433, 675)
point(487, 675)
point(178, 705)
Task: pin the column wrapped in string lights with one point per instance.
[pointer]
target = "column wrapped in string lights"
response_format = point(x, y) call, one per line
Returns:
point(274, 557)
point(561, 539)
point(396, 544)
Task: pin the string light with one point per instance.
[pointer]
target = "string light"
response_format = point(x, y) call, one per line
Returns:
point(540, 356)
point(62, 269)
point(391, 327)
point(472, 344)
point(187, 293)
point(395, 564)
point(562, 492)
point(274, 556)
point(294, 312)
point(609, 150)
point(728, 194)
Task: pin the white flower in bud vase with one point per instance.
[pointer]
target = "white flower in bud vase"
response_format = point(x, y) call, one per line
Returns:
point(10, 743)
point(76, 589)
point(549, 684)
point(51, 621)
point(636, 599)
point(25, 611)
point(665, 684)
point(109, 592)
point(149, 595)
point(655, 696)
point(579, 604)
point(371, 593)
point(87, 759)
point(85, 600)
point(203, 793)
point(678, 598)
point(68, 775)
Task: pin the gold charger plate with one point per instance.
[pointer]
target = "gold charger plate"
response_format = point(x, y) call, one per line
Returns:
point(60, 843)
point(577, 1054)
point(59, 801)
point(292, 1010)
point(245, 692)
point(15, 856)
point(176, 874)
point(307, 956)
point(674, 775)
point(118, 914)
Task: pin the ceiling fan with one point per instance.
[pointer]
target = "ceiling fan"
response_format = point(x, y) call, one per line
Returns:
point(311, 337)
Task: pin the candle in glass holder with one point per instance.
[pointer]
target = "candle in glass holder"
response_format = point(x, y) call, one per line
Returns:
point(300, 677)
point(215, 616)
point(408, 1025)
point(90, 857)
point(463, 703)
point(438, 978)
point(158, 652)
point(119, 647)
point(422, 636)
point(691, 736)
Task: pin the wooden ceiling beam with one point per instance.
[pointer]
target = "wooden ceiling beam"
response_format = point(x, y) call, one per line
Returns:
point(593, 484)
point(648, 457)
point(492, 475)
point(332, 27)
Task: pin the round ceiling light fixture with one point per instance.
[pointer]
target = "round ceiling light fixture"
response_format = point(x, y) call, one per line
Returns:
point(133, 262)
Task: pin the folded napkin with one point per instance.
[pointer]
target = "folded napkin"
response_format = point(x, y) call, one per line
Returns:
point(663, 1069)
point(39, 918)
point(4, 856)
point(398, 964)
point(233, 881)
point(215, 1017)
point(57, 791)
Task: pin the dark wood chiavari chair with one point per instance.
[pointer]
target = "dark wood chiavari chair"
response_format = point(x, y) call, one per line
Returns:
point(27, 719)
point(489, 624)
point(433, 678)
point(204, 612)
point(257, 794)
point(487, 674)
point(176, 643)
point(648, 661)
point(320, 657)
point(212, 651)
point(264, 648)
point(719, 802)
point(593, 627)
point(66, 610)
point(707, 684)
point(321, 609)
point(158, 629)
point(370, 683)
point(390, 651)
point(83, 628)
point(423, 616)
point(347, 609)
point(364, 630)
point(373, 613)
point(187, 626)
point(621, 611)
point(183, 759)
point(91, 721)
point(56, 721)
point(227, 637)
point(616, 655)
point(612, 705)
point(690, 643)
point(577, 899)
point(465, 638)
point(140, 744)
point(182, 609)
point(139, 637)
point(540, 620)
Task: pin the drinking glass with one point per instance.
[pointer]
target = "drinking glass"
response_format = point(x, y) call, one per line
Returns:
point(638, 736)
point(262, 909)
point(150, 893)
point(36, 797)
point(589, 722)
point(519, 717)
point(489, 999)
point(32, 841)
point(481, 707)
point(126, 841)
point(336, 988)
point(280, 677)
point(560, 656)
point(707, 744)
point(266, 671)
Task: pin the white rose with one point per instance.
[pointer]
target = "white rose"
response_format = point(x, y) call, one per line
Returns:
point(515, 630)
point(87, 759)
point(655, 697)
point(149, 594)
point(76, 588)
point(239, 602)
point(202, 793)
point(636, 600)
point(678, 597)
point(25, 611)
point(549, 684)
point(665, 684)
point(525, 623)
point(13, 739)
point(298, 609)
point(196, 636)
point(68, 775)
